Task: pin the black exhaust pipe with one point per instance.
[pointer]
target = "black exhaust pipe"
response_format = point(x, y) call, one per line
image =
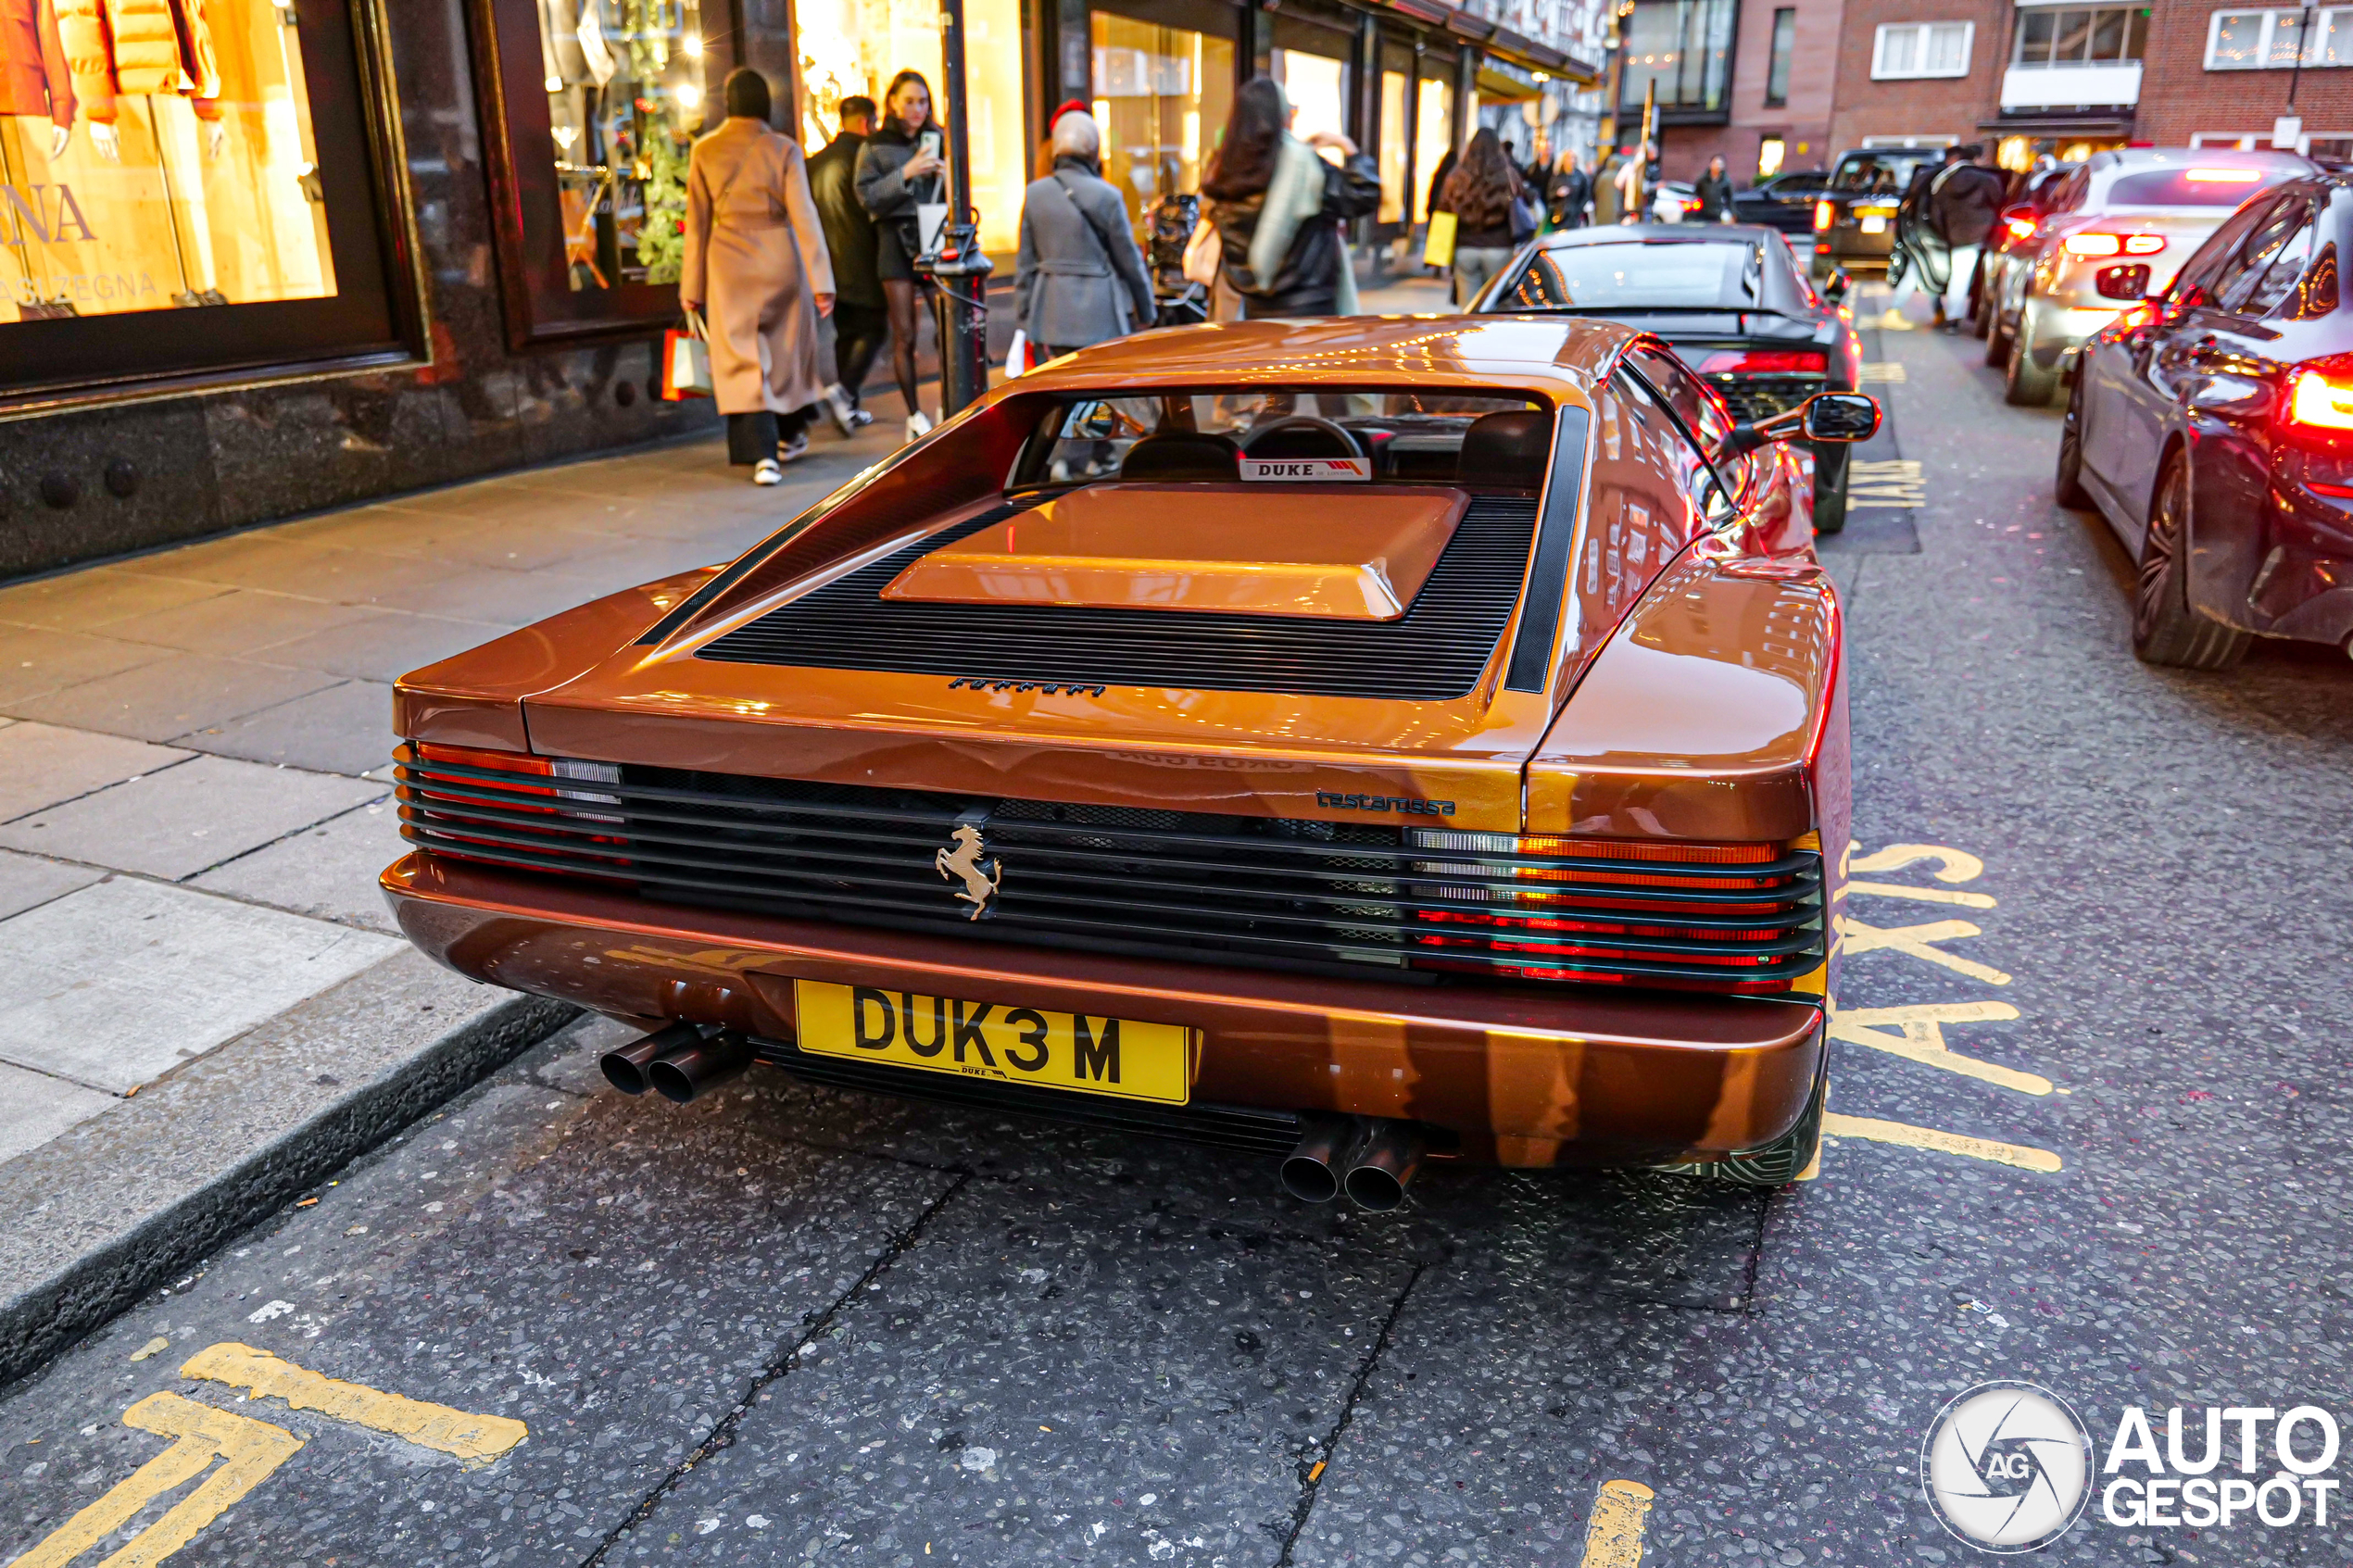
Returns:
point(1312, 1172)
point(691, 1070)
point(1381, 1164)
point(625, 1068)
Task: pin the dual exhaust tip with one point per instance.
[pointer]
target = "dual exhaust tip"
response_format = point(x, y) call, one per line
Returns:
point(1369, 1157)
point(681, 1064)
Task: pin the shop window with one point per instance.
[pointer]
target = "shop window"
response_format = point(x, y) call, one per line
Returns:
point(853, 48)
point(1433, 133)
point(1163, 94)
point(1393, 148)
point(1923, 49)
point(1784, 49)
point(625, 83)
point(189, 188)
point(2052, 36)
point(1684, 49)
point(2269, 40)
point(1317, 88)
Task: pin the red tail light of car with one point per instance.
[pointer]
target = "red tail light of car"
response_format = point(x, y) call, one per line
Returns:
point(508, 807)
point(2098, 243)
point(2020, 229)
point(1765, 362)
point(1823, 213)
point(2320, 400)
point(1713, 917)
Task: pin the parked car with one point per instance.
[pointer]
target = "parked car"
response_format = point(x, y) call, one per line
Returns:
point(1732, 300)
point(1250, 733)
point(2212, 428)
point(1855, 215)
point(2117, 229)
point(1785, 202)
point(2021, 226)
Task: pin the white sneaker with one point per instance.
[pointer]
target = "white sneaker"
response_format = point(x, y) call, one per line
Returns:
point(768, 470)
point(860, 417)
point(794, 450)
point(836, 403)
point(918, 425)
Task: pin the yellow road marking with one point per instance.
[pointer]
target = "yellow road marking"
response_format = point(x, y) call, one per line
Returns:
point(248, 1450)
point(1924, 895)
point(1882, 370)
point(1951, 865)
point(431, 1426)
point(1908, 1136)
point(1917, 940)
point(1920, 1038)
point(1613, 1537)
point(1895, 482)
point(155, 1346)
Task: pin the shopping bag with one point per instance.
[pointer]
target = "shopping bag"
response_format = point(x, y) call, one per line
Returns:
point(685, 360)
point(1203, 253)
point(1017, 356)
point(1439, 249)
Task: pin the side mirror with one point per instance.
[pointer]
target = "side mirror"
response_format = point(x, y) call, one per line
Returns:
point(1834, 287)
point(1827, 416)
point(2130, 282)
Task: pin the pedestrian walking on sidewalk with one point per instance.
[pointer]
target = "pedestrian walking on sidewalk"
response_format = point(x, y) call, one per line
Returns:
point(1277, 207)
point(862, 319)
point(1483, 190)
point(1568, 194)
point(1966, 201)
point(900, 169)
point(756, 264)
point(1081, 279)
point(1715, 192)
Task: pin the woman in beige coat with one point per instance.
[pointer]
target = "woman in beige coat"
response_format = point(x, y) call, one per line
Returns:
point(756, 263)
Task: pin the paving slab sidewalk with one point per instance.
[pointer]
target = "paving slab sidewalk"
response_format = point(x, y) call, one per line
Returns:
point(207, 1006)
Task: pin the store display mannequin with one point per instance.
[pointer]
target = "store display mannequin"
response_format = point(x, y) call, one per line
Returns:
point(160, 51)
point(35, 81)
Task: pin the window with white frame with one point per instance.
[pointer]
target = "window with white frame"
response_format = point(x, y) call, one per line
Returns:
point(2268, 39)
point(1918, 49)
point(2060, 36)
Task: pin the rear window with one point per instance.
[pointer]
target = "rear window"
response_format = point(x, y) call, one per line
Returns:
point(1883, 173)
point(2192, 187)
point(1408, 436)
point(1660, 274)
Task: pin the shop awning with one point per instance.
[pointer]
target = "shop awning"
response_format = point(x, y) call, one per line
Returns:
point(2092, 126)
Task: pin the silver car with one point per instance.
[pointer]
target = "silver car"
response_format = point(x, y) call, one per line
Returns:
point(2116, 232)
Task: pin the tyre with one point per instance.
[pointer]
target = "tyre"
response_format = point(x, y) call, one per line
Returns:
point(2068, 482)
point(1777, 1163)
point(2026, 384)
point(1830, 490)
point(2165, 629)
point(1998, 338)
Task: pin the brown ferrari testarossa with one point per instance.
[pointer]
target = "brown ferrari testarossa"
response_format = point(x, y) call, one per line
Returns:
point(1357, 741)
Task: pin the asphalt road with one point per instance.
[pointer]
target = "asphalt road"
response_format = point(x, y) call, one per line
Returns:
point(2095, 1117)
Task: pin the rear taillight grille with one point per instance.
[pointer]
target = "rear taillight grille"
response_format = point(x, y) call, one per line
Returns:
point(1200, 887)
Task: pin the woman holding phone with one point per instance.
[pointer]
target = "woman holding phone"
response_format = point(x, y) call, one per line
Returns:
point(900, 168)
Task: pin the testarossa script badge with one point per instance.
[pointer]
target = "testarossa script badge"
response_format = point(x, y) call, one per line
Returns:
point(1335, 801)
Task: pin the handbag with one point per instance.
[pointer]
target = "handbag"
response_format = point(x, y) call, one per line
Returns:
point(1204, 253)
point(685, 360)
point(1524, 218)
point(1438, 250)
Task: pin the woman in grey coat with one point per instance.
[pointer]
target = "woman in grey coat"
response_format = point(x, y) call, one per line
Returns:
point(1081, 279)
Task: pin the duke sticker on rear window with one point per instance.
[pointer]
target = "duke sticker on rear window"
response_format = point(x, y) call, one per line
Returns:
point(1306, 468)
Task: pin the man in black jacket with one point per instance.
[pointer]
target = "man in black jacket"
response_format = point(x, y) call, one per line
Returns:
point(1964, 205)
point(862, 324)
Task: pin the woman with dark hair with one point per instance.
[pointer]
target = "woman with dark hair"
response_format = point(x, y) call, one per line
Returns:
point(900, 168)
point(1482, 191)
point(755, 256)
point(1278, 207)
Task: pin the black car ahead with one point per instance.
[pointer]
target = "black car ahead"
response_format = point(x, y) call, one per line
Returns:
point(2213, 428)
point(1784, 201)
point(1732, 300)
point(1855, 215)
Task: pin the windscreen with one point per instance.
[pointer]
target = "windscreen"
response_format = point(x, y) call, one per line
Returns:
point(1414, 437)
point(1880, 173)
point(1637, 274)
point(2191, 187)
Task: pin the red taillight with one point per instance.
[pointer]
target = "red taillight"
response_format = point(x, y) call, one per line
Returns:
point(2144, 245)
point(1823, 212)
point(480, 757)
point(466, 795)
point(1765, 362)
point(2020, 229)
point(2319, 402)
point(2092, 244)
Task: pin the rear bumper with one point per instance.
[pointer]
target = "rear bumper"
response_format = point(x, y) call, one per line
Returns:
point(1519, 1077)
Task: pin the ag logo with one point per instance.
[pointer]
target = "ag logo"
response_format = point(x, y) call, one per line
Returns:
point(2006, 1467)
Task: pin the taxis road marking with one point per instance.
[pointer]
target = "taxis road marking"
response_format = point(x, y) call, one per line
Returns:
point(1924, 895)
point(1919, 942)
point(248, 1450)
point(1908, 1136)
point(1920, 1038)
point(429, 1426)
point(1951, 865)
point(1614, 1535)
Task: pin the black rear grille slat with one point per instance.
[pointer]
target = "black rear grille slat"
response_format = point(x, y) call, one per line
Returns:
point(1435, 651)
point(1265, 892)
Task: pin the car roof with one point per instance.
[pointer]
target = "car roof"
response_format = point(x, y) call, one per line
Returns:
point(1560, 358)
point(2184, 157)
point(1655, 234)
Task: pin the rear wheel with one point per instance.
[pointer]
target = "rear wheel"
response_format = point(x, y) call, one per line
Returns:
point(2025, 384)
point(1997, 337)
point(1777, 1163)
point(2067, 483)
point(1830, 489)
point(2165, 629)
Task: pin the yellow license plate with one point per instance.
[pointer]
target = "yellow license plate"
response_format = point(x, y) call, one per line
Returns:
point(1874, 224)
point(1001, 1042)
